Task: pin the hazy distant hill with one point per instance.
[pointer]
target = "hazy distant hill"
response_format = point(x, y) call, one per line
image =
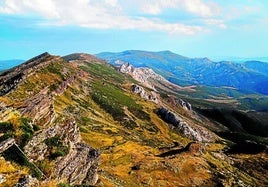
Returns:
point(6, 64)
point(249, 77)
point(260, 67)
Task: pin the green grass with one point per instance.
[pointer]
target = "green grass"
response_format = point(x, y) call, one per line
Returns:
point(103, 71)
point(112, 100)
point(56, 147)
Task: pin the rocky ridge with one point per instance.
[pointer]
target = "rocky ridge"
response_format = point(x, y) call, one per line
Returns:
point(79, 166)
point(11, 78)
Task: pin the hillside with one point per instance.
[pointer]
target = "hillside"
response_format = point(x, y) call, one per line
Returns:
point(78, 120)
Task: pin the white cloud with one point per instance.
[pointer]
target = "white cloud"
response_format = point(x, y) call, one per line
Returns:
point(216, 22)
point(108, 14)
point(196, 7)
point(157, 7)
point(200, 8)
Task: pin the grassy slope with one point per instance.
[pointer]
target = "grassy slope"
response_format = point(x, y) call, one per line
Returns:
point(127, 131)
point(135, 143)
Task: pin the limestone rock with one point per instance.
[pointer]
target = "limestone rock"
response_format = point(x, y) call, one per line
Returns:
point(79, 166)
point(185, 105)
point(141, 75)
point(39, 108)
point(151, 96)
point(183, 127)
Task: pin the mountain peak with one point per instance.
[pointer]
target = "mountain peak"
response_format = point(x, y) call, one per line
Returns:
point(10, 79)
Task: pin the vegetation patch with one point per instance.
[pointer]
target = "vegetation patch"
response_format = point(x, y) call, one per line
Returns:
point(56, 147)
point(103, 71)
point(14, 154)
point(7, 130)
point(27, 131)
point(112, 100)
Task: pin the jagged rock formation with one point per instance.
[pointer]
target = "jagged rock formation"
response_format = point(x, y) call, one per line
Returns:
point(141, 75)
point(150, 79)
point(11, 78)
point(77, 167)
point(39, 107)
point(184, 128)
point(80, 166)
point(151, 96)
point(183, 104)
point(126, 68)
point(63, 86)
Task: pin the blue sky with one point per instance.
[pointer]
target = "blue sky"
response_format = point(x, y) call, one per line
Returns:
point(193, 28)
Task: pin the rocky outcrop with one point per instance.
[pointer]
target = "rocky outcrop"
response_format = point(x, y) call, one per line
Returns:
point(6, 144)
point(126, 68)
point(63, 86)
point(141, 75)
point(183, 104)
point(39, 108)
point(11, 78)
point(79, 166)
point(151, 96)
point(183, 127)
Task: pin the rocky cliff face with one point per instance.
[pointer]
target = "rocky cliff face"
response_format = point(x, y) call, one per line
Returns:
point(184, 128)
point(143, 75)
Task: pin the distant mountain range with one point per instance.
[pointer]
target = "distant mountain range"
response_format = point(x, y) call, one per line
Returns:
point(247, 77)
point(6, 64)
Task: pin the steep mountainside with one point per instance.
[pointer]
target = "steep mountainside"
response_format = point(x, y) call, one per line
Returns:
point(196, 71)
point(78, 120)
